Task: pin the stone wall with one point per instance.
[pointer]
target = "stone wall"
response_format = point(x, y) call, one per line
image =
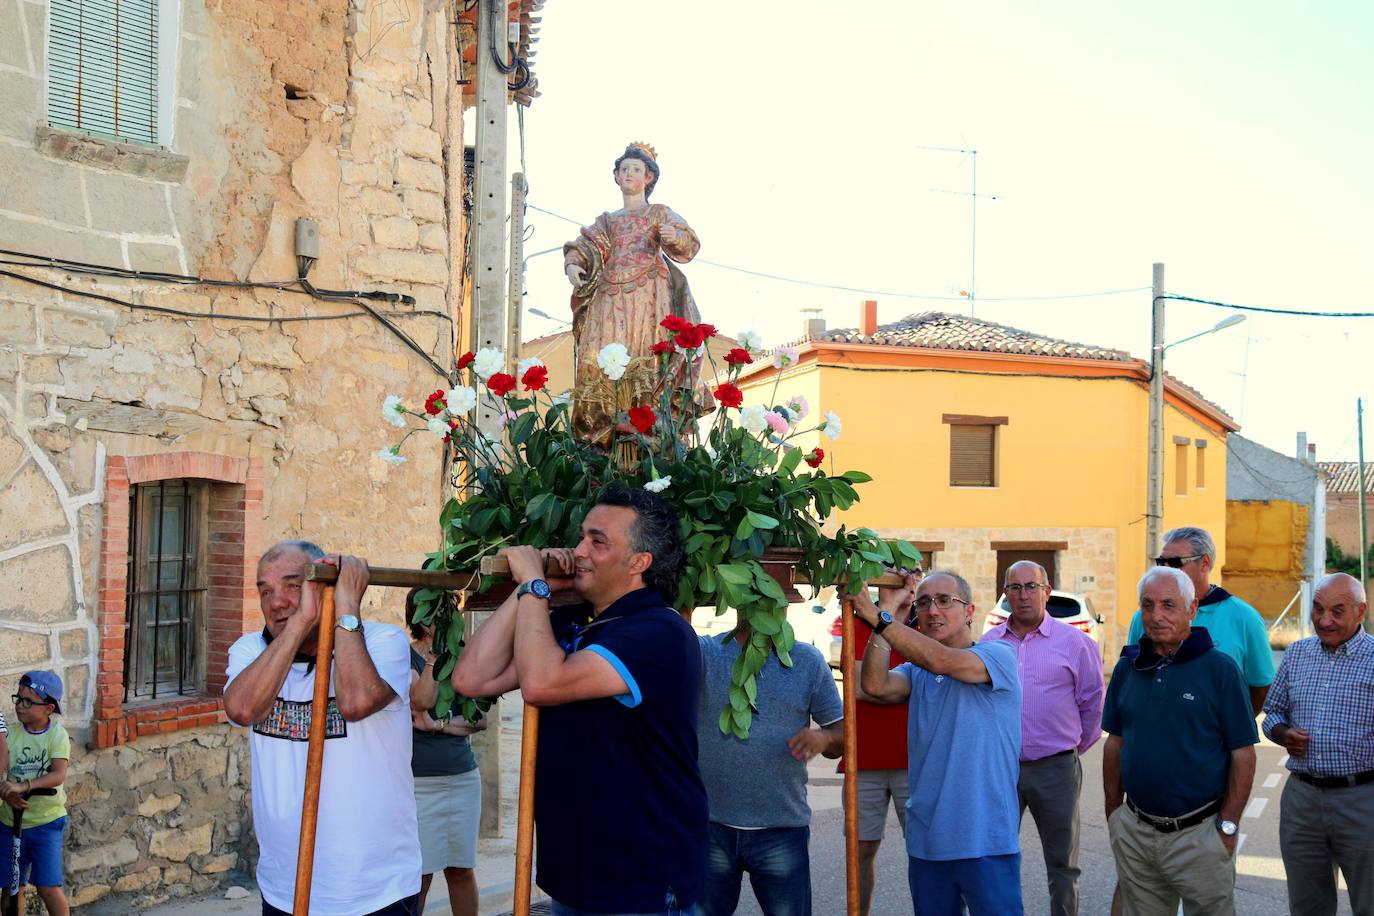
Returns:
point(332, 111)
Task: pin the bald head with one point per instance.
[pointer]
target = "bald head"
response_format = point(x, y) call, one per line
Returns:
point(1338, 609)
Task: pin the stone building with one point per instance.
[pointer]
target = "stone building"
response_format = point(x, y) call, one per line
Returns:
point(172, 400)
point(1343, 503)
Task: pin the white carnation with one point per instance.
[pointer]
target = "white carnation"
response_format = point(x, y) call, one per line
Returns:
point(658, 486)
point(831, 425)
point(393, 411)
point(488, 362)
point(460, 400)
point(754, 418)
point(438, 427)
point(613, 359)
point(391, 456)
point(526, 364)
point(750, 340)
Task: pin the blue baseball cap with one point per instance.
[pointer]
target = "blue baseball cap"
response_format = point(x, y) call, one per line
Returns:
point(47, 685)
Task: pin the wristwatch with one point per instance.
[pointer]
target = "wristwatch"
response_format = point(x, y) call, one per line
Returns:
point(350, 622)
point(884, 621)
point(536, 587)
point(1228, 828)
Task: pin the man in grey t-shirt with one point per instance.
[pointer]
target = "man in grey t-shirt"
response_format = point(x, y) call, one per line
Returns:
point(756, 788)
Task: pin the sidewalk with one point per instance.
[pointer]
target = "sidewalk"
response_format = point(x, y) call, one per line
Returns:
point(495, 855)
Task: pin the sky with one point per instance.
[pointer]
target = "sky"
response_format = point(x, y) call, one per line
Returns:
point(1229, 141)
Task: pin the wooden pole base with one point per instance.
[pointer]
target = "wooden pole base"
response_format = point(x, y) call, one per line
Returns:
point(524, 825)
point(851, 763)
point(314, 757)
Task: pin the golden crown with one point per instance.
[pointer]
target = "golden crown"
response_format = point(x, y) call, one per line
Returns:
point(644, 148)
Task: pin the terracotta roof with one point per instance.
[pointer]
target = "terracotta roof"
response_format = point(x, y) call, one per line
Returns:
point(1344, 476)
point(943, 331)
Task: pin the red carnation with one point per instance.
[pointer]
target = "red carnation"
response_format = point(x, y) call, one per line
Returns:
point(729, 395)
point(466, 360)
point(662, 347)
point(691, 338)
point(738, 356)
point(501, 384)
point(815, 458)
point(432, 402)
point(642, 419)
point(675, 323)
point(707, 330)
point(535, 378)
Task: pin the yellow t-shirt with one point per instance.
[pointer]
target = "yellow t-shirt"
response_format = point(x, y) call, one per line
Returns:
point(31, 756)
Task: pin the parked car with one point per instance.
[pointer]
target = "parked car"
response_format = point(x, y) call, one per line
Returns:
point(1075, 610)
point(810, 620)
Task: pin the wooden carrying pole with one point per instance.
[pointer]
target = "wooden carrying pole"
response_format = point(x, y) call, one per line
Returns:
point(314, 757)
point(851, 762)
point(524, 822)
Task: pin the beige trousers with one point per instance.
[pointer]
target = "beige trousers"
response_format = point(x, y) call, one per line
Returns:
point(1158, 870)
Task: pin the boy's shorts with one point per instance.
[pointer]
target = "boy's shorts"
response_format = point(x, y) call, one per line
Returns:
point(40, 854)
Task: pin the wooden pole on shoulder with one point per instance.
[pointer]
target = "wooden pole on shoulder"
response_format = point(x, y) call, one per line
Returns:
point(524, 823)
point(851, 762)
point(314, 757)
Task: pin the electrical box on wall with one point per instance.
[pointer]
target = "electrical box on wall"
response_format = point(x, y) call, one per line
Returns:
point(307, 239)
point(1083, 584)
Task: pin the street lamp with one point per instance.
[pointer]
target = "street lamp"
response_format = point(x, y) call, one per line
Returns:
point(1154, 509)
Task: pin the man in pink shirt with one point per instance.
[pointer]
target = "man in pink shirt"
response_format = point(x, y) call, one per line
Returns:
point(1061, 717)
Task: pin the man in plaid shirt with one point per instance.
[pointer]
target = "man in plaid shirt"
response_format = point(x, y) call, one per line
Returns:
point(1321, 708)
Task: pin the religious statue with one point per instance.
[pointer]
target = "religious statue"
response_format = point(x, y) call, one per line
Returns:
point(624, 284)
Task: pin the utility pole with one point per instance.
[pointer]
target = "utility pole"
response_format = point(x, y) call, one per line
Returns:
point(1154, 504)
point(1364, 529)
point(516, 298)
point(489, 303)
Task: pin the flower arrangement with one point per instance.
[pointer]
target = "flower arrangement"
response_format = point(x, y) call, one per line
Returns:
point(736, 479)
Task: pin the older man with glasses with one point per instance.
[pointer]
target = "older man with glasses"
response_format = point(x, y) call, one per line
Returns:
point(963, 737)
point(1061, 717)
point(1235, 627)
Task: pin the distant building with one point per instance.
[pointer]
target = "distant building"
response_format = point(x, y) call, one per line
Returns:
point(1343, 503)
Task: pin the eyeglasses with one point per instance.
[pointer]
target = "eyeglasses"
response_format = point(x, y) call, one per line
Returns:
point(1029, 588)
point(943, 602)
point(25, 702)
point(1177, 562)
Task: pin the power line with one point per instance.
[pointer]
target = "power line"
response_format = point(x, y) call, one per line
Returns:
point(1269, 311)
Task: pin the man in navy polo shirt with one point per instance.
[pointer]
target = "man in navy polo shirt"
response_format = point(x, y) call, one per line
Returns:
point(620, 808)
point(1180, 747)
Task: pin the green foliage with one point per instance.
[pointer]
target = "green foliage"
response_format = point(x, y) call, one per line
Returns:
point(1338, 560)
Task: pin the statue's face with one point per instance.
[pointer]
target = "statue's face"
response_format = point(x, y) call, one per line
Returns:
point(632, 176)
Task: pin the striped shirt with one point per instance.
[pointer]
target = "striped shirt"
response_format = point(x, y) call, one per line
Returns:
point(1061, 684)
point(4, 729)
point(1330, 695)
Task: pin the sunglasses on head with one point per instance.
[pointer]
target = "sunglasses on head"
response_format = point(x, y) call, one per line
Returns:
point(1177, 562)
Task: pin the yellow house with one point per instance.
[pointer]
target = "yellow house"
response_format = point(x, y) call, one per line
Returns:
point(988, 444)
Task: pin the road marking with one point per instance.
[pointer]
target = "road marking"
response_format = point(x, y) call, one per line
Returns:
point(1272, 780)
point(1256, 807)
point(1283, 761)
point(1240, 844)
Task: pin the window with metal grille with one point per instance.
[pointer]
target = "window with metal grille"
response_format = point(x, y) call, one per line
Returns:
point(972, 455)
point(167, 583)
point(103, 67)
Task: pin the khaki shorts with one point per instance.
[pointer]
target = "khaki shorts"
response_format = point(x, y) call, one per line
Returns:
point(876, 787)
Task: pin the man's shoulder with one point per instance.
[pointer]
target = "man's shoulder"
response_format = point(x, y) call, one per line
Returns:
point(997, 648)
point(806, 656)
point(376, 631)
point(251, 641)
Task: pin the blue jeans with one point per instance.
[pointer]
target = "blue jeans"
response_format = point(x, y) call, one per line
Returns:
point(670, 908)
point(778, 864)
point(990, 886)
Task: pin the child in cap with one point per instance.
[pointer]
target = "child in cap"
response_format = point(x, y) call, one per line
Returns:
point(39, 749)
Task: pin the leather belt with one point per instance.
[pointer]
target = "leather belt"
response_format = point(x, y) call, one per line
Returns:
point(1337, 782)
point(1062, 753)
point(1175, 824)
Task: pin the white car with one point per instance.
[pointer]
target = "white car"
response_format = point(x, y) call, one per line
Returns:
point(1075, 610)
point(810, 620)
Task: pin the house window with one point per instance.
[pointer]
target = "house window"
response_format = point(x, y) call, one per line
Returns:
point(1181, 468)
point(110, 64)
point(973, 450)
point(1201, 480)
point(166, 591)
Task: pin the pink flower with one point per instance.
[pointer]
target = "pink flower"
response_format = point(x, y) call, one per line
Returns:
point(777, 421)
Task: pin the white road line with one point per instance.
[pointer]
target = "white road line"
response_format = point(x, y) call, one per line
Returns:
point(1272, 780)
point(1283, 761)
point(1240, 844)
point(1256, 807)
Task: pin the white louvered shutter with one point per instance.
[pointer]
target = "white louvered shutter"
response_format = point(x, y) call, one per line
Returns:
point(102, 67)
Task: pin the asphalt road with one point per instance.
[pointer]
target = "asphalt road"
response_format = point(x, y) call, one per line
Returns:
point(1260, 885)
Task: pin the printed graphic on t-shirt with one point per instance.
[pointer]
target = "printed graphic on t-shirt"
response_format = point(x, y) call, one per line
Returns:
point(290, 719)
point(30, 763)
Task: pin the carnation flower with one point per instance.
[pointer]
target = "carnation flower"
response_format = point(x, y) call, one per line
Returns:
point(784, 357)
point(659, 485)
point(526, 364)
point(642, 419)
point(738, 356)
point(729, 395)
point(438, 427)
point(488, 362)
point(392, 456)
point(675, 323)
point(613, 359)
point(831, 425)
point(393, 411)
point(753, 418)
point(434, 403)
point(816, 457)
point(750, 340)
point(535, 377)
point(662, 347)
point(707, 330)
point(797, 407)
point(460, 400)
point(777, 422)
point(501, 384)
point(466, 360)
point(690, 338)
point(504, 418)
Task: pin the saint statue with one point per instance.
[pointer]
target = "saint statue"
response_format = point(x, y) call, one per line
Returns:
point(625, 283)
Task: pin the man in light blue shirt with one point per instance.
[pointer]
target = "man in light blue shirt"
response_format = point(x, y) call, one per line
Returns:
point(1235, 627)
point(963, 741)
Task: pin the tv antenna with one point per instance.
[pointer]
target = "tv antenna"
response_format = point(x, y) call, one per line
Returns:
point(973, 195)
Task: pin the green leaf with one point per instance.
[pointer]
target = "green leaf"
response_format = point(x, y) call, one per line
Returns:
point(789, 462)
point(735, 573)
point(751, 691)
point(725, 720)
point(745, 529)
point(739, 700)
point(766, 624)
point(761, 521)
point(856, 477)
point(538, 506)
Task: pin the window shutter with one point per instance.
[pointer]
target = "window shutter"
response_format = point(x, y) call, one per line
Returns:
point(971, 455)
point(102, 67)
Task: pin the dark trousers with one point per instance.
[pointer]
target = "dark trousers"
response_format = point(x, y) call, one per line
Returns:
point(408, 906)
point(778, 864)
point(1051, 788)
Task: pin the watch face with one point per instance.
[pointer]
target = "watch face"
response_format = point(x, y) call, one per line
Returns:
point(884, 616)
point(540, 588)
point(1229, 828)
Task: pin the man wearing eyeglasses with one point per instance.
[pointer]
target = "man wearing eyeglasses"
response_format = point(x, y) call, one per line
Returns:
point(1236, 628)
point(963, 736)
point(1061, 716)
point(1180, 751)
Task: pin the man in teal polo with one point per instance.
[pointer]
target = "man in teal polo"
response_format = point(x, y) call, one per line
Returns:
point(1235, 627)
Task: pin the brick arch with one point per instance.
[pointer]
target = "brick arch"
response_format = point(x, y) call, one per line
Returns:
point(235, 523)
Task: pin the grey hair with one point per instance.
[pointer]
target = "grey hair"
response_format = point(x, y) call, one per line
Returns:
point(1198, 540)
point(960, 583)
point(1177, 576)
point(1044, 576)
point(313, 552)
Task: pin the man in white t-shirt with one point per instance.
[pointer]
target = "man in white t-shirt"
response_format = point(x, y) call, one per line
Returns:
point(367, 848)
